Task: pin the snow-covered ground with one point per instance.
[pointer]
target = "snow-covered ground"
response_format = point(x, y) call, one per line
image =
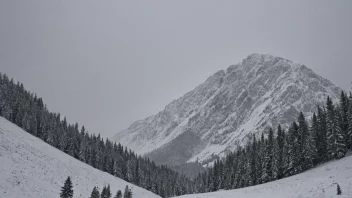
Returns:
point(316, 183)
point(31, 168)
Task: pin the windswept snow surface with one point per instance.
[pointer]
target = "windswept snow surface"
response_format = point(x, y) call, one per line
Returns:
point(31, 168)
point(319, 182)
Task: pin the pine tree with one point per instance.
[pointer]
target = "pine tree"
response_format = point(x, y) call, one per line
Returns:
point(118, 194)
point(127, 193)
point(268, 158)
point(129, 174)
point(335, 138)
point(66, 190)
point(290, 151)
point(310, 153)
point(339, 191)
point(349, 133)
point(344, 114)
point(103, 192)
point(82, 151)
point(137, 172)
point(276, 160)
point(301, 142)
point(260, 156)
point(254, 162)
point(314, 131)
point(106, 193)
point(95, 193)
point(322, 133)
point(280, 158)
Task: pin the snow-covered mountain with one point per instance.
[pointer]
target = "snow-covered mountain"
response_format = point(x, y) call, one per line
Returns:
point(30, 168)
point(221, 113)
point(320, 182)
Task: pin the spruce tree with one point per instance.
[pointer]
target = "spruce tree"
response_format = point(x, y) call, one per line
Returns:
point(127, 193)
point(314, 131)
point(335, 139)
point(349, 133)
point(280, 158)
point(301, 142)
point(108, 192)
point(339, 191)
point(344, 114)
point(118, 194)
point(66, 190)
point(253, 161)
point(260, 157)
point(276, 160)
point(103, 192)
point(310, 153)
point(322, 133)
point(290, 151)
point(268, 157)
point(95, 193)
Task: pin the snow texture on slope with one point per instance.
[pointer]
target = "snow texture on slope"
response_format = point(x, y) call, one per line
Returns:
point(319, 182)
point(228, 107)
point(31, 168)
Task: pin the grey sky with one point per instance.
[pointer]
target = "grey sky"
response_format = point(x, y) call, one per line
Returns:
point(109, 63)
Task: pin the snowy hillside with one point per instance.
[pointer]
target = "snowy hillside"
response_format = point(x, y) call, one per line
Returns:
point(316, 183)
point(222, 112)
point(31, 168)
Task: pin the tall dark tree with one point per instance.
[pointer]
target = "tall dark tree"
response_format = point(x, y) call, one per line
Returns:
point(67, 189)
point(280, 152)
point(106, 193)
point(268, 157)
point(253, 161)
point(344, 113)
point(127, 193)
point(95, 193)
point(118, 194)
point(301, 142)
point(349, 133)
point(335, 139)
point(322, 132)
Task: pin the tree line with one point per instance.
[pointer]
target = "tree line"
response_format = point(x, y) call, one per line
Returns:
point(30, 113)
point(327, 136)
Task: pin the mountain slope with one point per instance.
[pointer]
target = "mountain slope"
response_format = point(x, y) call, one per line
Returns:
point(222, 112)
point(319, 182)
point(31, 168)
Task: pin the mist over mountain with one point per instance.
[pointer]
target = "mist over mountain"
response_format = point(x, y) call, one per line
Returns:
point(223, 112)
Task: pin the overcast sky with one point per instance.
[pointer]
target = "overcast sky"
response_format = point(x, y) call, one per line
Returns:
point(106, 64)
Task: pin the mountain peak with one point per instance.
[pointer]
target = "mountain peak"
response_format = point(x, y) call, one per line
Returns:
point(223, 112)
point(259, 56)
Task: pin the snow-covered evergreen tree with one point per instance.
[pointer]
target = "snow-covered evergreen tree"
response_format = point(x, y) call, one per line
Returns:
point(118, 194)
point(67, 189)
point(95, 193)
point(310, 153)
point(343, 117)
point(268, 157)
point(322, 133)
point(349, 133)
point(127, 193)
point(335, 139)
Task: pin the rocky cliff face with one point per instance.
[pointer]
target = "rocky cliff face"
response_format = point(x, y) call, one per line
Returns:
point(223, 112)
